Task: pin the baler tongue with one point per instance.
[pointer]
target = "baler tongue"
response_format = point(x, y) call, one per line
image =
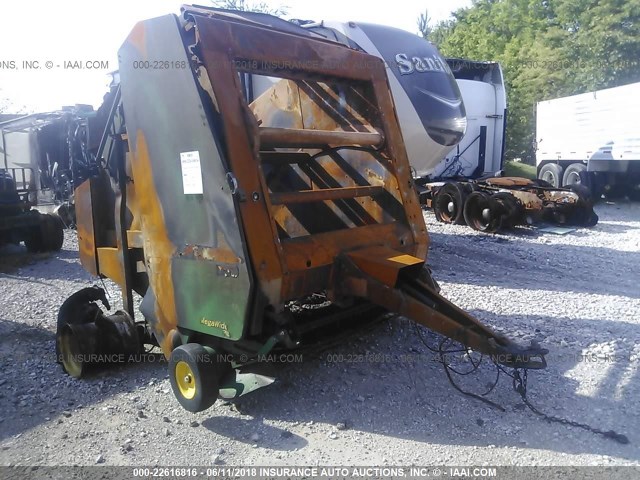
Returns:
point(400, 283)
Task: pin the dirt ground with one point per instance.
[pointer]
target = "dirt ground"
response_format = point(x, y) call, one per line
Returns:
point(380, 398)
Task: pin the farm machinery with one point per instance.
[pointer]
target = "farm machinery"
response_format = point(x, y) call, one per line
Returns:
point(19, 222)
point(225, 214)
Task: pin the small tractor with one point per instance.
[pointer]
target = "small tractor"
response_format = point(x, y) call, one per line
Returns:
point(19, 221)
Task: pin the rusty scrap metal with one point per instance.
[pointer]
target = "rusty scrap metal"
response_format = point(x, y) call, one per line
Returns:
point(491, 204)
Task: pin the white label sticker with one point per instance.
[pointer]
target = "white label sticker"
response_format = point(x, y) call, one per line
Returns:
point(191, 173)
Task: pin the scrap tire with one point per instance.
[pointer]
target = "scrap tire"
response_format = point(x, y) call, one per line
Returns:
point(584, 215)
point(512, 211)
point(584, 194)
point(448, 205)
point(78, 309)
point(35, 239)
point(477, 204)
point(195, 377)
point(48, 236)
point(552, 174)
point(53, 229)
point(592, 219)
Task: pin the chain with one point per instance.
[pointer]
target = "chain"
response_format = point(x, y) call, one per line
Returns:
point(520, 386)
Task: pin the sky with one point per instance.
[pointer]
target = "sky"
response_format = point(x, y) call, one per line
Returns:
point(63, 33)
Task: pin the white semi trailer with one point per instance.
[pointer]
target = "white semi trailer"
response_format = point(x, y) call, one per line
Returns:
point(593, 139)
point(480, 152)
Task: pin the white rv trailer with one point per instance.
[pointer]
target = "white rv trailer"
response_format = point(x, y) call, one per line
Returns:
point(592, 138)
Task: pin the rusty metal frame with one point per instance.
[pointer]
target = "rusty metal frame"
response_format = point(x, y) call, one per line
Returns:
point(222, 51)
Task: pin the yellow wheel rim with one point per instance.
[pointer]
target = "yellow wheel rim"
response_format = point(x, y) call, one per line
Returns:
point(71, 359)
point(185, 379)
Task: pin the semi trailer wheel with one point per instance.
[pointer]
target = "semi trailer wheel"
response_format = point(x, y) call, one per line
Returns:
point(483, 213)
point(552, 174)
point(195, 376)
point(448, 204)
point(573, 175)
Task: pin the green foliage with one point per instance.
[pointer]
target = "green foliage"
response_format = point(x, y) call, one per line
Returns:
point(518, 169)
point(248, 6)
point(547, 49)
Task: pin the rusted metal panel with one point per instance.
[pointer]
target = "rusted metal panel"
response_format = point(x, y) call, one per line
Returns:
point(218, 41)
point(84, 220)
point(290, 137)
point(305, 196)
point(385, 264)
point(509, 182)
point(111, 264)
point(159, 134)
point(323, 248)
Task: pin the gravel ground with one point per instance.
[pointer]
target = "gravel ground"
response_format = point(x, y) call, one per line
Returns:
point(578, 294)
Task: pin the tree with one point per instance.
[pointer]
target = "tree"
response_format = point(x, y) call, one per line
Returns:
point(547, 50)
point(249, 6)
point(424, 26)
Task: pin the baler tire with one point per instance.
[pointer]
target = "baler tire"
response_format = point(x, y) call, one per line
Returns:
point(194, 376)
point(451, 193)
point(474, 208)
point(72, 354)
point(583, 192)
point(78, 309)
